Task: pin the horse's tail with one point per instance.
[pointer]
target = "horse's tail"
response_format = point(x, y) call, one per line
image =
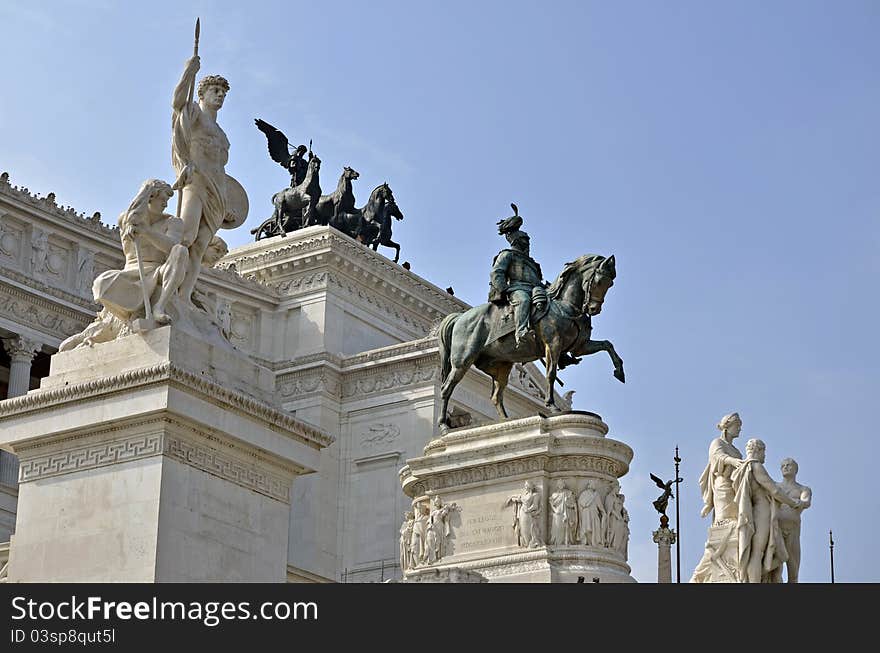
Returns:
point(444, 341)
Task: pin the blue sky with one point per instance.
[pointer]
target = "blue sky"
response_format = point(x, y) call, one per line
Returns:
point(727, 153)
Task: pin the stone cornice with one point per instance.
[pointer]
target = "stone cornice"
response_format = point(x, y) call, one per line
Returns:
point(544, 425)
point(427, 346)
point(54, 320)
point(88, 307)
point(481, 473)
point(226, 276)
point(275, 259)
point(407, 364)
point(47, 205)
point(310, 360)
point(165, 373)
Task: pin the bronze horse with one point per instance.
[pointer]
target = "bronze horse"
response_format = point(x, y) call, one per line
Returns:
point(574, 298)
point(372, 214)
point(295, 206)
point(384, 235)
point(331, 207)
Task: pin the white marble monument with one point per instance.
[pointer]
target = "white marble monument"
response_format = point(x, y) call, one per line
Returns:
point(535, 499)
point(153, 458)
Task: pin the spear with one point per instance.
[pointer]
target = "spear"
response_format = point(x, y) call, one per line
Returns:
point(189, 100)
point(195, 54)
point(148, 309)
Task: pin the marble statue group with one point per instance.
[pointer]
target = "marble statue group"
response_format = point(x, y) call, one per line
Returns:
point(756, 521)
point(164, 253)
point(424, 534)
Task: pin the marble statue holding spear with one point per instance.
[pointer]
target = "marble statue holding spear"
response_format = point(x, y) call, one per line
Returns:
point(208, 198)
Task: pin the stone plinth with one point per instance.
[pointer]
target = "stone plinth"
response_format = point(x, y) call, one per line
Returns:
point(154, 458)
point(470, 490)
point(719, 562)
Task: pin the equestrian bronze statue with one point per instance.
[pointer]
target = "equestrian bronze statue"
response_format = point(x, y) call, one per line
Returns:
point(526, 320)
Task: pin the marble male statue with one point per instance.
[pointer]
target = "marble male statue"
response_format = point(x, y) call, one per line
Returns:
point(789, 519)
point(155, 265)
point(761, 549)
point(199, 152)
point(528, 513)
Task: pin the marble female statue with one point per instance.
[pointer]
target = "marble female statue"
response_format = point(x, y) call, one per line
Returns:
point(618, 520)
point(419, 535)
point(437, 530)
point(406, 531)
point(528, 513)
point(715, 483)
point(592, 515)
point(718, 498)
point(790, 518)
point(563, 509)
point(761, 547)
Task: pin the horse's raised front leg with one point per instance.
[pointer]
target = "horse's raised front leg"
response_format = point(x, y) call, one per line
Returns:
point(593, 346)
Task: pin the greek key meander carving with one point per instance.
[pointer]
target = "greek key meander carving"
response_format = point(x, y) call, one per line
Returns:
point(88, 457)
point(228, 468)
point(188, 450)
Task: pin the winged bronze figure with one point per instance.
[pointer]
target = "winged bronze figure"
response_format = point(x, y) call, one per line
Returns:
point(663, 500)
point(279, 149)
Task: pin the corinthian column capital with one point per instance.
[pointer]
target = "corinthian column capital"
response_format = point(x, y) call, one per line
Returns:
point(21, 348)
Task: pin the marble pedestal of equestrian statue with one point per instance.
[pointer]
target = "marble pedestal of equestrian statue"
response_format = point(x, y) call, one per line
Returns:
point(154, 458)
point(475, 471)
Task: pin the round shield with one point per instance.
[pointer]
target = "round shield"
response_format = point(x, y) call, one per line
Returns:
point(236, 204)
